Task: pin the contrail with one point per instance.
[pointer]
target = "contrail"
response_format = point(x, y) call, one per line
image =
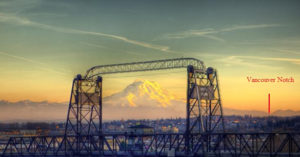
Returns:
point(26, 22)
point(41, 65)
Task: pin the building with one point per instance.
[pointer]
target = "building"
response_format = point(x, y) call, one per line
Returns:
point(141, 129)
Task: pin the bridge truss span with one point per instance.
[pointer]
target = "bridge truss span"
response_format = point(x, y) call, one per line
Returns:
point(144, 66)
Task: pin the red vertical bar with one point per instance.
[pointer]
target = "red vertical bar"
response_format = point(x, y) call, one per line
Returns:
point(269, 107)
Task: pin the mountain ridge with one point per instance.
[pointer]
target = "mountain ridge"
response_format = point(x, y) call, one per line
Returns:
point(46, 111)
point(140, 99)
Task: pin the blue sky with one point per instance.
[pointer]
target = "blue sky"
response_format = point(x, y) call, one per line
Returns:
point(43, 44)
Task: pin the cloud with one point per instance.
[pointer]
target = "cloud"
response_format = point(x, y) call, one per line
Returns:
point(245, 61)
point(42, 66)
point(213, 38)
point(210, 32)
point(191, 33)
point(26, 22)
point(18, 6)
point(288, 42)
point(290, 60)
point(241, 61)
point(287, 51)
point(245, 27)
point(93, 45)
point(280, 59)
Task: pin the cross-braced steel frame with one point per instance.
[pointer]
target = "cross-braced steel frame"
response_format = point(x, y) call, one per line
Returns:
point(85, 112)
point(204, 108)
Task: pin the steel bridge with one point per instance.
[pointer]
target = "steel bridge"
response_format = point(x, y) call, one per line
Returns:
point(205, 133)
point(220, 145)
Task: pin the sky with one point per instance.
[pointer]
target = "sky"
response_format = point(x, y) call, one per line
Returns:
point(44, 44)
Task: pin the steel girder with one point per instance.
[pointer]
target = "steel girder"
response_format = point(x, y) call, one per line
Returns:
point(223, 145)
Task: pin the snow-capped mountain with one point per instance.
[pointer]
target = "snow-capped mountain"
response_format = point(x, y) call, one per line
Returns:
point(143, 99)
point(143, 93)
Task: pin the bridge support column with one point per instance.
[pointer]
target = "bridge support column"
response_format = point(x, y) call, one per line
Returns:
point(84, 120)
point(204, 108)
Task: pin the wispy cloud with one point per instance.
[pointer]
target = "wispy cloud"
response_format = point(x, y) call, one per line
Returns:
point(41, 65)
point(26, 22)
point(18, 6)
point(290, 60)
point(211, 33)
point(280, 59)
point(93, 45)
point(288, 42)
point(251, 61)
point(241, 61)
point(244, 27)
point(287, 51)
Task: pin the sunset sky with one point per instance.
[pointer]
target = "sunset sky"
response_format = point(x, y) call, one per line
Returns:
point(45, 43)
